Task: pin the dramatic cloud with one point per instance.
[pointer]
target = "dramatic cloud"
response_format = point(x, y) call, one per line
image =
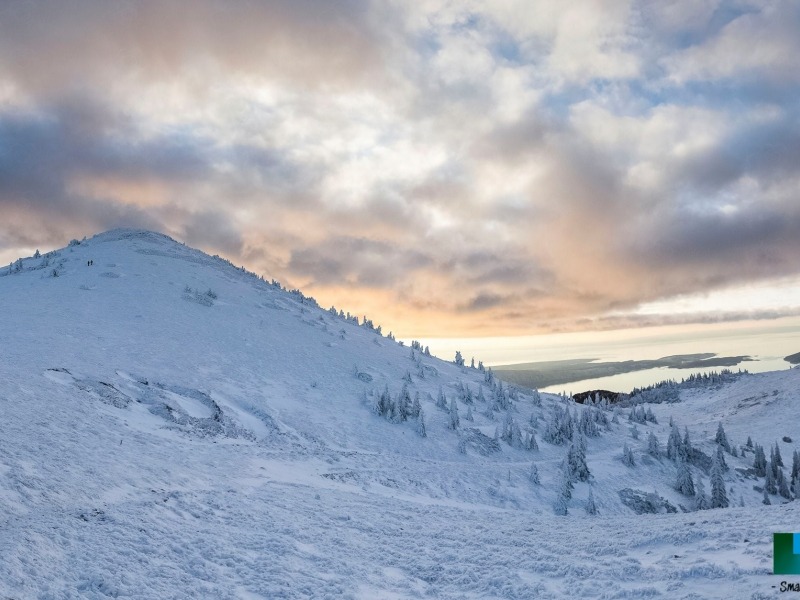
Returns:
point(446, 168)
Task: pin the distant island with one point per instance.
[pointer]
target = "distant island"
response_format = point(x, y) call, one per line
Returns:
point(793, 359)
point(544, 374)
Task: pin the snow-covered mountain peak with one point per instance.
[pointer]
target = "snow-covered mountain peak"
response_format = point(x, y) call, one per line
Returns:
point(174, 426)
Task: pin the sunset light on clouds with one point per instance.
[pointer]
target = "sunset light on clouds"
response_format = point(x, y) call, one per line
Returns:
point(446, 168)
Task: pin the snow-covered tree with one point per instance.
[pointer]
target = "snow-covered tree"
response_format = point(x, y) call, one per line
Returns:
point(441, 399)
point(591, 507)
point(421, 429)
point(534, 474)
point(701, 501)
point(635, 432)
point(459, 360)
point(674, 443)
point(384, 405)
point(684, 483)
point(760, 461)
point(469, 416)
point(559, 428)
point(481, 397)
point(576, 460)
point(531, 443)
point(720, 457)
point(783, 486)
point(404, 404)
point(653, 447)
point(416, 407)
point(564, 491)
point(566, 480)
point(517, 440)
point(769, 482)
point(454, 421)
point(505, 434)
point(749, 443)
point(685, 449)
point(627, 456)
point(778, 459)
point(722, 439)
point(719, 497)
point(560, 505)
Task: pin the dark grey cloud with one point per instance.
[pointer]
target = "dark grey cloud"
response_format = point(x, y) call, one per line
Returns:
point(46, 154)
point(49, 46)
point(357, 261)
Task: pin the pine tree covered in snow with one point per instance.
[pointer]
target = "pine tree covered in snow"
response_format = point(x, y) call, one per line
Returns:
point(719, 497)
point(653, 447)
point(421, 429)
point(454, 421)
point(674, 443)
point(685, 449)
point(441, 399)
point(720, 458)
point(760, 461)
point(591, 506)
point(403, 404)
point(468, 416)
point(769, 483)
point(567, 482)
point(517, 441)
point(416, 407)
point(783, 486)
point(684, 483)
point(627, 456)
point(534, 475)
point(701, 500)
point(481, 397)
point(778, 458)
point(576, 460)
point(721, 439)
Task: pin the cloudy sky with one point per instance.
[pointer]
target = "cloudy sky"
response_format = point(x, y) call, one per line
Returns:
point(448, 168)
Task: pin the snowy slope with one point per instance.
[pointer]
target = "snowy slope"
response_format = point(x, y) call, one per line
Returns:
point(159, 442)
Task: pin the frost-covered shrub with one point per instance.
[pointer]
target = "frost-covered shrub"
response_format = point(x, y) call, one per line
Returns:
point(645, 502)
point(627, 457)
